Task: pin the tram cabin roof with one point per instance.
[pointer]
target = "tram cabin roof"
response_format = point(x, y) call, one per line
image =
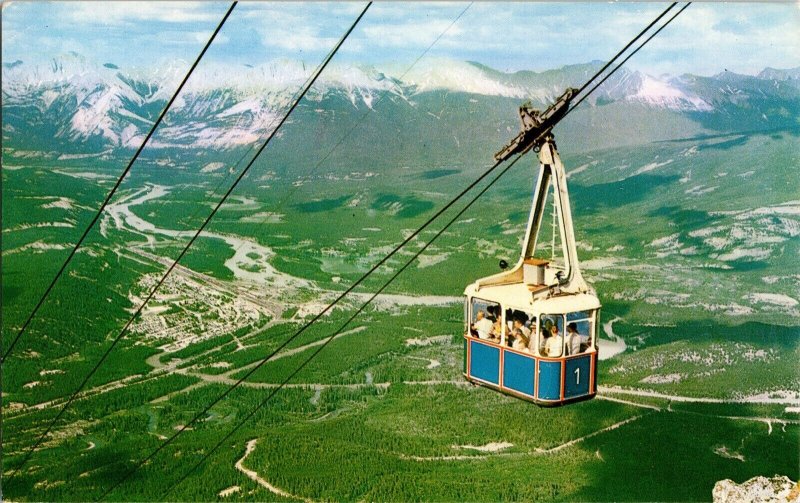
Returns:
point(519, 296)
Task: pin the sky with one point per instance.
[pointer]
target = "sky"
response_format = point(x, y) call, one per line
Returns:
point(706, 39)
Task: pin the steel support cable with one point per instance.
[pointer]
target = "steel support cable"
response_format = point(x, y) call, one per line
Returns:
point(414, 257)
point(233, 168)
point(349, 320)
point(627, 58)
point(629, 44)
point(335, 301)
point(294, 188)
point(157, 373)
point(319, 315)
point(308, 324)
point(116, 186)
point(188, 245)
point(213, 192)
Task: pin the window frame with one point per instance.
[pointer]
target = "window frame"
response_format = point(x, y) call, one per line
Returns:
point(591, 320)
point(540, 332)
point(471, 301)
point(507, 330)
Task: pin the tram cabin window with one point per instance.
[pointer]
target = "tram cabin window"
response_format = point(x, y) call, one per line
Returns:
point(485, 320)
point(580, 332)
point(551, 335)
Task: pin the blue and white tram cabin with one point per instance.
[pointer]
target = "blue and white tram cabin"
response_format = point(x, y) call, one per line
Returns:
point(558, 362)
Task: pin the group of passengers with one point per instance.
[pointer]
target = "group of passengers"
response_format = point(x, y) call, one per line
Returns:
point(522, 333)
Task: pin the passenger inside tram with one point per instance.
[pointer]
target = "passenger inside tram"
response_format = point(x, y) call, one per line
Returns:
point(493, 314)
point(510, 315)
point(576, 343)
point(552, 342)
point(543, 336)
point(497, 330)
point(532, 345)
point(521, 335)
point(482, 326)
point(546, 326)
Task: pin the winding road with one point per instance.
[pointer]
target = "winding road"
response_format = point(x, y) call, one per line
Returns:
point(255, 477)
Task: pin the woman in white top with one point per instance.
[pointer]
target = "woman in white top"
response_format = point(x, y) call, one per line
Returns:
point(555, 343)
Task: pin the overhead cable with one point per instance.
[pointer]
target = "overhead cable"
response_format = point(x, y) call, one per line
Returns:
point(344, 325)
point(628, 57)
point(350, 289)
point(187, 246)
point(115, 187)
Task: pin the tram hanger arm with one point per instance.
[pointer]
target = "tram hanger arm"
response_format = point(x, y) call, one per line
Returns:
point(536, 126)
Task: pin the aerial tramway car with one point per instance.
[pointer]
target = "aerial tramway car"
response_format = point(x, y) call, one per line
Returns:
point(532, 331)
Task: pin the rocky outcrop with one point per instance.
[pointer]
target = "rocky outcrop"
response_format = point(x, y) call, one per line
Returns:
point(758, 489)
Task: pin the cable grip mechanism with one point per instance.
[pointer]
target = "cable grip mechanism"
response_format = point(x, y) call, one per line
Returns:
point(536, 125)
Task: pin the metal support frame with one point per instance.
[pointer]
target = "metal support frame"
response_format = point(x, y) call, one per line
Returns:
point(536, 134)
point(551, 171)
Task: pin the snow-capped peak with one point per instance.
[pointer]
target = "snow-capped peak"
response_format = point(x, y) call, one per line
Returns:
point(458, 76)
point(661, 93)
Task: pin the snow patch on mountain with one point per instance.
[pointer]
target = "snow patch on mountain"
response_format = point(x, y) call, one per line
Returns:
point(463, 77)
point(662, 94)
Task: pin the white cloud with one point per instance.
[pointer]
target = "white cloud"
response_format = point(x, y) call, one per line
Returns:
point(410, 34)
point(11, 35)
point(303, 28)
point(741, 38)
point(269, 12)
point(117, 13)
point(304, 39)
point(706, 39)
point(177, 37)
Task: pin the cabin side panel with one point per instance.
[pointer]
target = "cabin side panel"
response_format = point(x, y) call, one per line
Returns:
point(549, 380)
point(484, 362)
point(518, 372)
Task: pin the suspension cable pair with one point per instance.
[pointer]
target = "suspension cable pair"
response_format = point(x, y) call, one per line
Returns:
point(253, 411)
point(357, 283)
point(208, 219)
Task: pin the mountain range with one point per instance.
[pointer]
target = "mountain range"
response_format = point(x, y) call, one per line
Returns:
point(74, 104)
